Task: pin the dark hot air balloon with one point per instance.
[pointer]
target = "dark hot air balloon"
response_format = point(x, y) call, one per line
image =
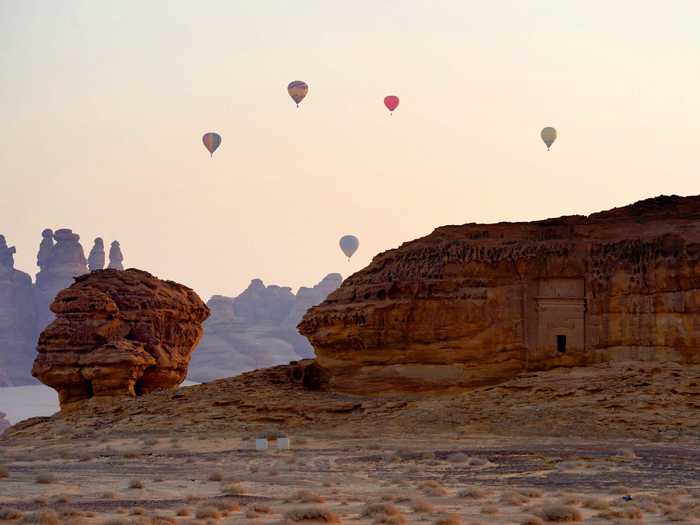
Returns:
point(297, 90)
point(391, 102)
point(211, 141)
point(549, 135)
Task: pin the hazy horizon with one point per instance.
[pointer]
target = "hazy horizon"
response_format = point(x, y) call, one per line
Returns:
point(103, 107)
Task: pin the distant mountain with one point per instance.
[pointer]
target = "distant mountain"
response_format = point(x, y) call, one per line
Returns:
point(256, 329)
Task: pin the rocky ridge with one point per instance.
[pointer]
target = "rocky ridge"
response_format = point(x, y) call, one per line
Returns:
point(481, 303)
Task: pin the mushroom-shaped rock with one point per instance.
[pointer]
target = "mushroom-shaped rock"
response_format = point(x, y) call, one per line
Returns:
point(119, 333)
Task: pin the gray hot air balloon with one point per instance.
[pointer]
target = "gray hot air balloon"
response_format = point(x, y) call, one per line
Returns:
point(349, 245)
point(549, 135)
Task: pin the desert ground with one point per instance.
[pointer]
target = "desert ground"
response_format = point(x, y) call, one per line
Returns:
point(609, 444)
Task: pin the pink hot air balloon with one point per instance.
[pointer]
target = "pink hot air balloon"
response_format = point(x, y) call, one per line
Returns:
point(391, 102)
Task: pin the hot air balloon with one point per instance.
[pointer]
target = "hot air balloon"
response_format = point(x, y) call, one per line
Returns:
point(297, 90)
point(549, 135)
point(391, 102)
point(349, 245)
point(211, 142)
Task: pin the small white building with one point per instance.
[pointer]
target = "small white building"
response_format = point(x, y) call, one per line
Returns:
point(283, 443)
point(261, 444)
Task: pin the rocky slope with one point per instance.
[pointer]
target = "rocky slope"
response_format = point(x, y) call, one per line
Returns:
point(629, 400)
point(481, 303)
point(119, 333)
point(257, 329)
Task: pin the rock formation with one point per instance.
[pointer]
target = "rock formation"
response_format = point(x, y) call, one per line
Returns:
point(17, 320)
point(477, 304)
point(115, 256)
point(257, 329)
point(96, 259)
point(119, 333)
point(4, 423)
point(59, 263)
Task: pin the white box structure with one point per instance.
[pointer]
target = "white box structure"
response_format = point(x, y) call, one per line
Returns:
point(283, 443)
point(261, 444)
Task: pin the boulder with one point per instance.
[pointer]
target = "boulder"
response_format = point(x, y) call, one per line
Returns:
point(481, 303)
point(119, 333)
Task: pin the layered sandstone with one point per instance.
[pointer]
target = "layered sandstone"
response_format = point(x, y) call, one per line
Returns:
point(119, 333)
point(480, 303)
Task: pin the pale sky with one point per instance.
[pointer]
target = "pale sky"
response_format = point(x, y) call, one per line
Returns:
point(103, 105)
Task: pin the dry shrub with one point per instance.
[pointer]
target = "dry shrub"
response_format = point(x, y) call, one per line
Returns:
point(8, 514)
point(305, 496)
point(136, 484)
point(531, 493)
point(44, 517)
point(45, 479)
point(208, 512)
point(384, 514)
point(61, 499)
point(4, 472)
point(183, 511)
point(627, 512)
point(421, 505)
point(227, 505)
point(109, 495)
point(472, 493)
point(42, 501)
point(489, 509)
point(559, 512)
point(513, 498)
point(448, 519)
point(163, 520)
point(138, 511)
point(233, 489)
point(311, 514)
point(531, 520)
point(595, 504)
point(433, 487)
point(261, 509)
point(216, 476)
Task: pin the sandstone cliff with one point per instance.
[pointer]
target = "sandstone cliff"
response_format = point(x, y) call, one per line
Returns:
point(480, 303)
point(119, 333)
point(257, 329)
point(17, 320)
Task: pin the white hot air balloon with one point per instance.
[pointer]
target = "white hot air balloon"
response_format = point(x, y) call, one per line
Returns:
point(349, 245)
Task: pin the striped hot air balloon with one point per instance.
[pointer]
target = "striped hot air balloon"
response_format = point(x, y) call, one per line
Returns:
point(211, 141)
point(297, 90)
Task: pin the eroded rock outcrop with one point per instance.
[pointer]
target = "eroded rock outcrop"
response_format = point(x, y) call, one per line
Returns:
point(115, 256)
point(479, 303)
point(119, 333)
point(96, 259)
point(17, 320)
point(59, 263)
point(4, 423)
point(257, 329)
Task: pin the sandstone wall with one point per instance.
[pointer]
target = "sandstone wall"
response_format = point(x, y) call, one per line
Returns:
point(477, 304)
